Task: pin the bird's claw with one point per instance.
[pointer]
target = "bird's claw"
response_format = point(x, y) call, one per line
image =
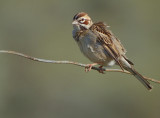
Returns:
point(101, 70)
point(89, 67)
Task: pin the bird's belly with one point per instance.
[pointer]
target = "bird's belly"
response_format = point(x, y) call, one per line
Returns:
point(94, 52)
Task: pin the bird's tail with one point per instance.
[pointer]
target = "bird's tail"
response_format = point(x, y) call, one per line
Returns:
point(140, 78)
point(128, 66)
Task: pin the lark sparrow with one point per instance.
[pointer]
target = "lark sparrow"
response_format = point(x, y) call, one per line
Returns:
point(100, 46)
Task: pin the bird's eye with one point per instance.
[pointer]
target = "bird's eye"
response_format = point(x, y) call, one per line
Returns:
point(82, 20)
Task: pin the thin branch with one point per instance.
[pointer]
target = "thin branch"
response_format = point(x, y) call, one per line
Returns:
point(70, 62)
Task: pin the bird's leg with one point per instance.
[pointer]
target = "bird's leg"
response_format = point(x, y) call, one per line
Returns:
point(89, 67)
point(101, 69)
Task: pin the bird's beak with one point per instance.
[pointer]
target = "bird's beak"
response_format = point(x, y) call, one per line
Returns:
point(74, 22)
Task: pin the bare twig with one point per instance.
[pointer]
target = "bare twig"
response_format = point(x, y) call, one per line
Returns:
point(70, 62)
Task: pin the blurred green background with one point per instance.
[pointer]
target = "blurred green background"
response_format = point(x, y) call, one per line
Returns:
point(42, 28)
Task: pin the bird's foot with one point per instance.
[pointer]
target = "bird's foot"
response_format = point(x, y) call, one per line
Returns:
point(101, 70)
point(89, 67)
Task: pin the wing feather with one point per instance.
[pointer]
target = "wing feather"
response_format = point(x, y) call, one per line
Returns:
point(110, 43)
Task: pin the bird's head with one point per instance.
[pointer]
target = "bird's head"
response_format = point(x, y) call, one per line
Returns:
point(82, 21)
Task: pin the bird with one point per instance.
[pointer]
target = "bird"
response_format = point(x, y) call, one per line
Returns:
point(101, 46)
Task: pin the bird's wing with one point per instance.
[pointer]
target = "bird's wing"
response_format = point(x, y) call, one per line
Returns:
point(110, 43)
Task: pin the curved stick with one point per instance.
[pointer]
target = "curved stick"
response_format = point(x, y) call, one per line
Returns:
point(70, 62)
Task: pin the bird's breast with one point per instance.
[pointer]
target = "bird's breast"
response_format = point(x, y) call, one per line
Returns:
point(92, 49)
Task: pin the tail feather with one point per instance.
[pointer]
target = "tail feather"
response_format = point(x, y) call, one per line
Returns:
point(129, 67)
point(140, 78)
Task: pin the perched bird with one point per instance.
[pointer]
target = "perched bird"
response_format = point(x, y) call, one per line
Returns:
point(100, 46)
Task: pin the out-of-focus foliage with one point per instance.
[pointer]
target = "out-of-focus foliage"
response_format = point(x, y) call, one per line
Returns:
point(42, 28)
